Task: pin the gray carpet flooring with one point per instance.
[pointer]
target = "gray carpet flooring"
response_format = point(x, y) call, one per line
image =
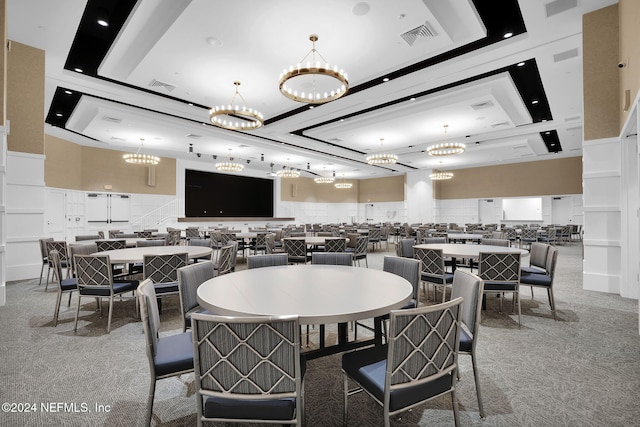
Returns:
point(582, 370)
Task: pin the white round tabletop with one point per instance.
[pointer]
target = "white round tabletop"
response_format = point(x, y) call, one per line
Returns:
point(315, 240)
point(133, 255)
point(470, 251)
point(318, 294)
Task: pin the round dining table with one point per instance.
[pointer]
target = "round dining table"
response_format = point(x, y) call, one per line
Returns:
point(136, 255)
point(317, 294)
point(456, 250)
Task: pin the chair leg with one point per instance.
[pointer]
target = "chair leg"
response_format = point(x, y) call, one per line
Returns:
point(477, 380)
point(41, 270)
point(346, 398)
point(110, 313)
point(517, 296)
point(454, 401)
point(152, 392)
point(552, 303)
point(55, 314)
point(75, 325)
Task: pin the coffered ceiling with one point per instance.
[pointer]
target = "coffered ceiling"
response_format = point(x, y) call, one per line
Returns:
point(414, 66)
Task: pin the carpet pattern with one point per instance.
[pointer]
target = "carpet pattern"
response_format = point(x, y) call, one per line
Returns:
point(582, 370)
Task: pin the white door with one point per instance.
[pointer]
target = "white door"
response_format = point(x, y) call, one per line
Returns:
point(55, 214)
point(561, 210)
point(368, 212)
point(487, 211)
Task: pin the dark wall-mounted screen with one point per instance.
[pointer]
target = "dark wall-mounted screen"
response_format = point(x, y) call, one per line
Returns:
point(210, 194)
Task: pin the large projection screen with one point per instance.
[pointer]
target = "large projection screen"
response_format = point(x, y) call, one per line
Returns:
point(525, 209)
point(220, 195)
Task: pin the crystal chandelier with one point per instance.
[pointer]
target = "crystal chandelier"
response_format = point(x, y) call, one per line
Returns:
point(229, 166)
point(234, 116)
point(139, 158)
point(438, 175)
point(446, 148)
point(342, 184)
point(382, 158)
point(327, 83)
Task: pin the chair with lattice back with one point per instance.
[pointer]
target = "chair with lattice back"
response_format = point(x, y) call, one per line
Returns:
point(248, 369)
point(162, 270)
point(335, 244)
point(65, 286)
point(419, 363)
point(296, 250)
point(95, 280)
point(433, 270)
point(173, 237)
point(61, 247)
point(501, 274)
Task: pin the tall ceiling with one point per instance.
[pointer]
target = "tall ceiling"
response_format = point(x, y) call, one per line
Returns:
point(149, 78)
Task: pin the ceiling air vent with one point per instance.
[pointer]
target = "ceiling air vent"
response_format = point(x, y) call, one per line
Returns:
point(111, 119)
point(496, 125)
point(482, 105)
point(160, 85)
point(115, 138)
point(559, 6)
point(568, 54)
point(193, 136)
point(423, 31)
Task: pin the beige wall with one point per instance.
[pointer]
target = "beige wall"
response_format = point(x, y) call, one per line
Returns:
point(25, 98)
point(3, 62)
point(388, 189)
point(541, 178)
point(77, 167)
point(629, 51)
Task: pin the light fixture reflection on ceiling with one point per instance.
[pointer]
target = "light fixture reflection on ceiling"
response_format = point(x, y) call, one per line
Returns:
point(324, 179)
point(439, 175)
point(141, 159)
point(229, 166)
point(382, 158)
point(446, 148)
point(287, 172)
point(317, 72)
point(234, 116)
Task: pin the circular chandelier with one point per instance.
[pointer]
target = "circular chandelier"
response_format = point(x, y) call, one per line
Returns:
point(446, 148)
point(234, 116)
point(139, 158)
point(229, 166)
point(382, 158)
point(335, 80)
point(288, 173)
point(438, 175)
point(343, 185)
point(325, 179)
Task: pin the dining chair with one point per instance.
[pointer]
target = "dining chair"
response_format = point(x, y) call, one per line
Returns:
point(206, 243)
point(528, 236)
point(95, 280)
point(45, 259)
point(267, 260)
point(404, 248)
point(419, 363)
point(374, 237)
point(248, 369)
point(226, 259)
point(80, 249)
point(168, 355)
point(109, 245)
point(360, 251)
point(150, 243)
point(501, 273)
point(189, 278)
point(259, 244)
point(162, 270)
point(296, 250)
point(335, 244)
point(65, 286)
point(332, 258)
point(537, 259)
point(144, 234)
point(469, 287)
point(61, 247)
point(433, 271)
point(544, 280)
point(173, 237)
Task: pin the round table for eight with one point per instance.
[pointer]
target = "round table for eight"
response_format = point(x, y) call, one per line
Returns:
point(134, 255)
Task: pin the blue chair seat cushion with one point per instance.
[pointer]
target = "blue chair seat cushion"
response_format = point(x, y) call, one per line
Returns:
point(448, 278)
point(532, 270)
point(261, 409)
point(166, 288)
point(119, 286)
point(536, 280)
point(174, 353)
point(69, 284)
point(367, 367)
point(498, 286)
point(466, 342)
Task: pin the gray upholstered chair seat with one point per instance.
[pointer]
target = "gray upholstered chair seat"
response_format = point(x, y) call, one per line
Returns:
point(69, 284)
point(535, 279)
point(118, 288)
point(281, 409)
point(174, 353)
point(166, 288)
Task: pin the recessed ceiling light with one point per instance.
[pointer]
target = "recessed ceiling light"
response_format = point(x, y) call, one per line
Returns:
point(413, 99)
point(78, 70)
point(68, 92)
point(507, 35)
point(58, 114)
point(361, 9)
point(534, 101)
point(386, 79)
point(520, 64)
point(102, 22)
